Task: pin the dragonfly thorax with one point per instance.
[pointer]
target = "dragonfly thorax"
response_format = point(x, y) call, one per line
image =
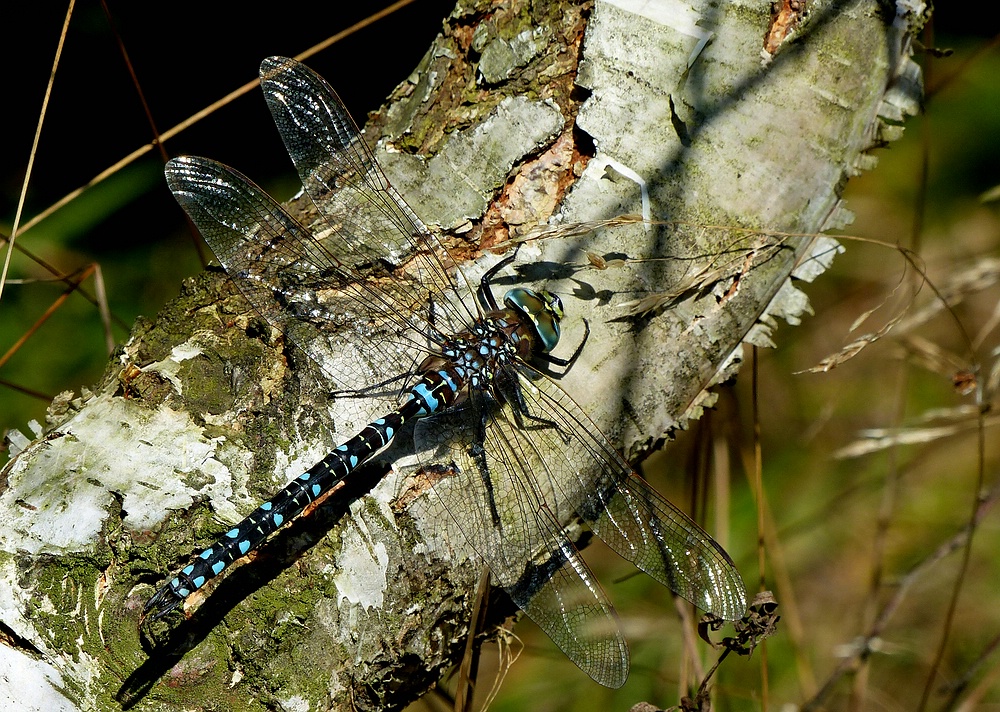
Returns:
point(529, 325)
point(474, 357)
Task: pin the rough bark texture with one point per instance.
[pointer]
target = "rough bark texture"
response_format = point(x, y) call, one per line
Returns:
point(520, 113)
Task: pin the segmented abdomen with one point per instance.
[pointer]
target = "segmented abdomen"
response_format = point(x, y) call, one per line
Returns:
point(437, 389)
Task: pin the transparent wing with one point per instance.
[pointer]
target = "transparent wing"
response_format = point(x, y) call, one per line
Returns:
point(506, 520)
point(366, 220)
point(586, 474)
point(292, 280)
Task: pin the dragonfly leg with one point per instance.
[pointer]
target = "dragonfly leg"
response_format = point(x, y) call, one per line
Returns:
point(368, 390)
point(511, 392)
point(477, 450)
point(567, 363)
point(486, 296)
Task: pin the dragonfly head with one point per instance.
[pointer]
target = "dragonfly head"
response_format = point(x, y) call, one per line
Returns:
point(542, 309)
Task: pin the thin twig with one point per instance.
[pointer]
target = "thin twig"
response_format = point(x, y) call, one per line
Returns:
point(34, 145)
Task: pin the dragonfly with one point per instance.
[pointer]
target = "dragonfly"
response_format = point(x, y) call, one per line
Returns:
point(473, 381)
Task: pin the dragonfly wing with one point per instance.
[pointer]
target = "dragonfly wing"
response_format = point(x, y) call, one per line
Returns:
point(366, 220)
point(505, 519)
point(586, 474)
point(333, 161)
point(285, 274)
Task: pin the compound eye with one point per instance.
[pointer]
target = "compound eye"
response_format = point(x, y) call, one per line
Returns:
point(543, 310)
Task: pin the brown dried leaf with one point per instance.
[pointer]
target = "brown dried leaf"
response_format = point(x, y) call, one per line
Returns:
point(853, 348)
